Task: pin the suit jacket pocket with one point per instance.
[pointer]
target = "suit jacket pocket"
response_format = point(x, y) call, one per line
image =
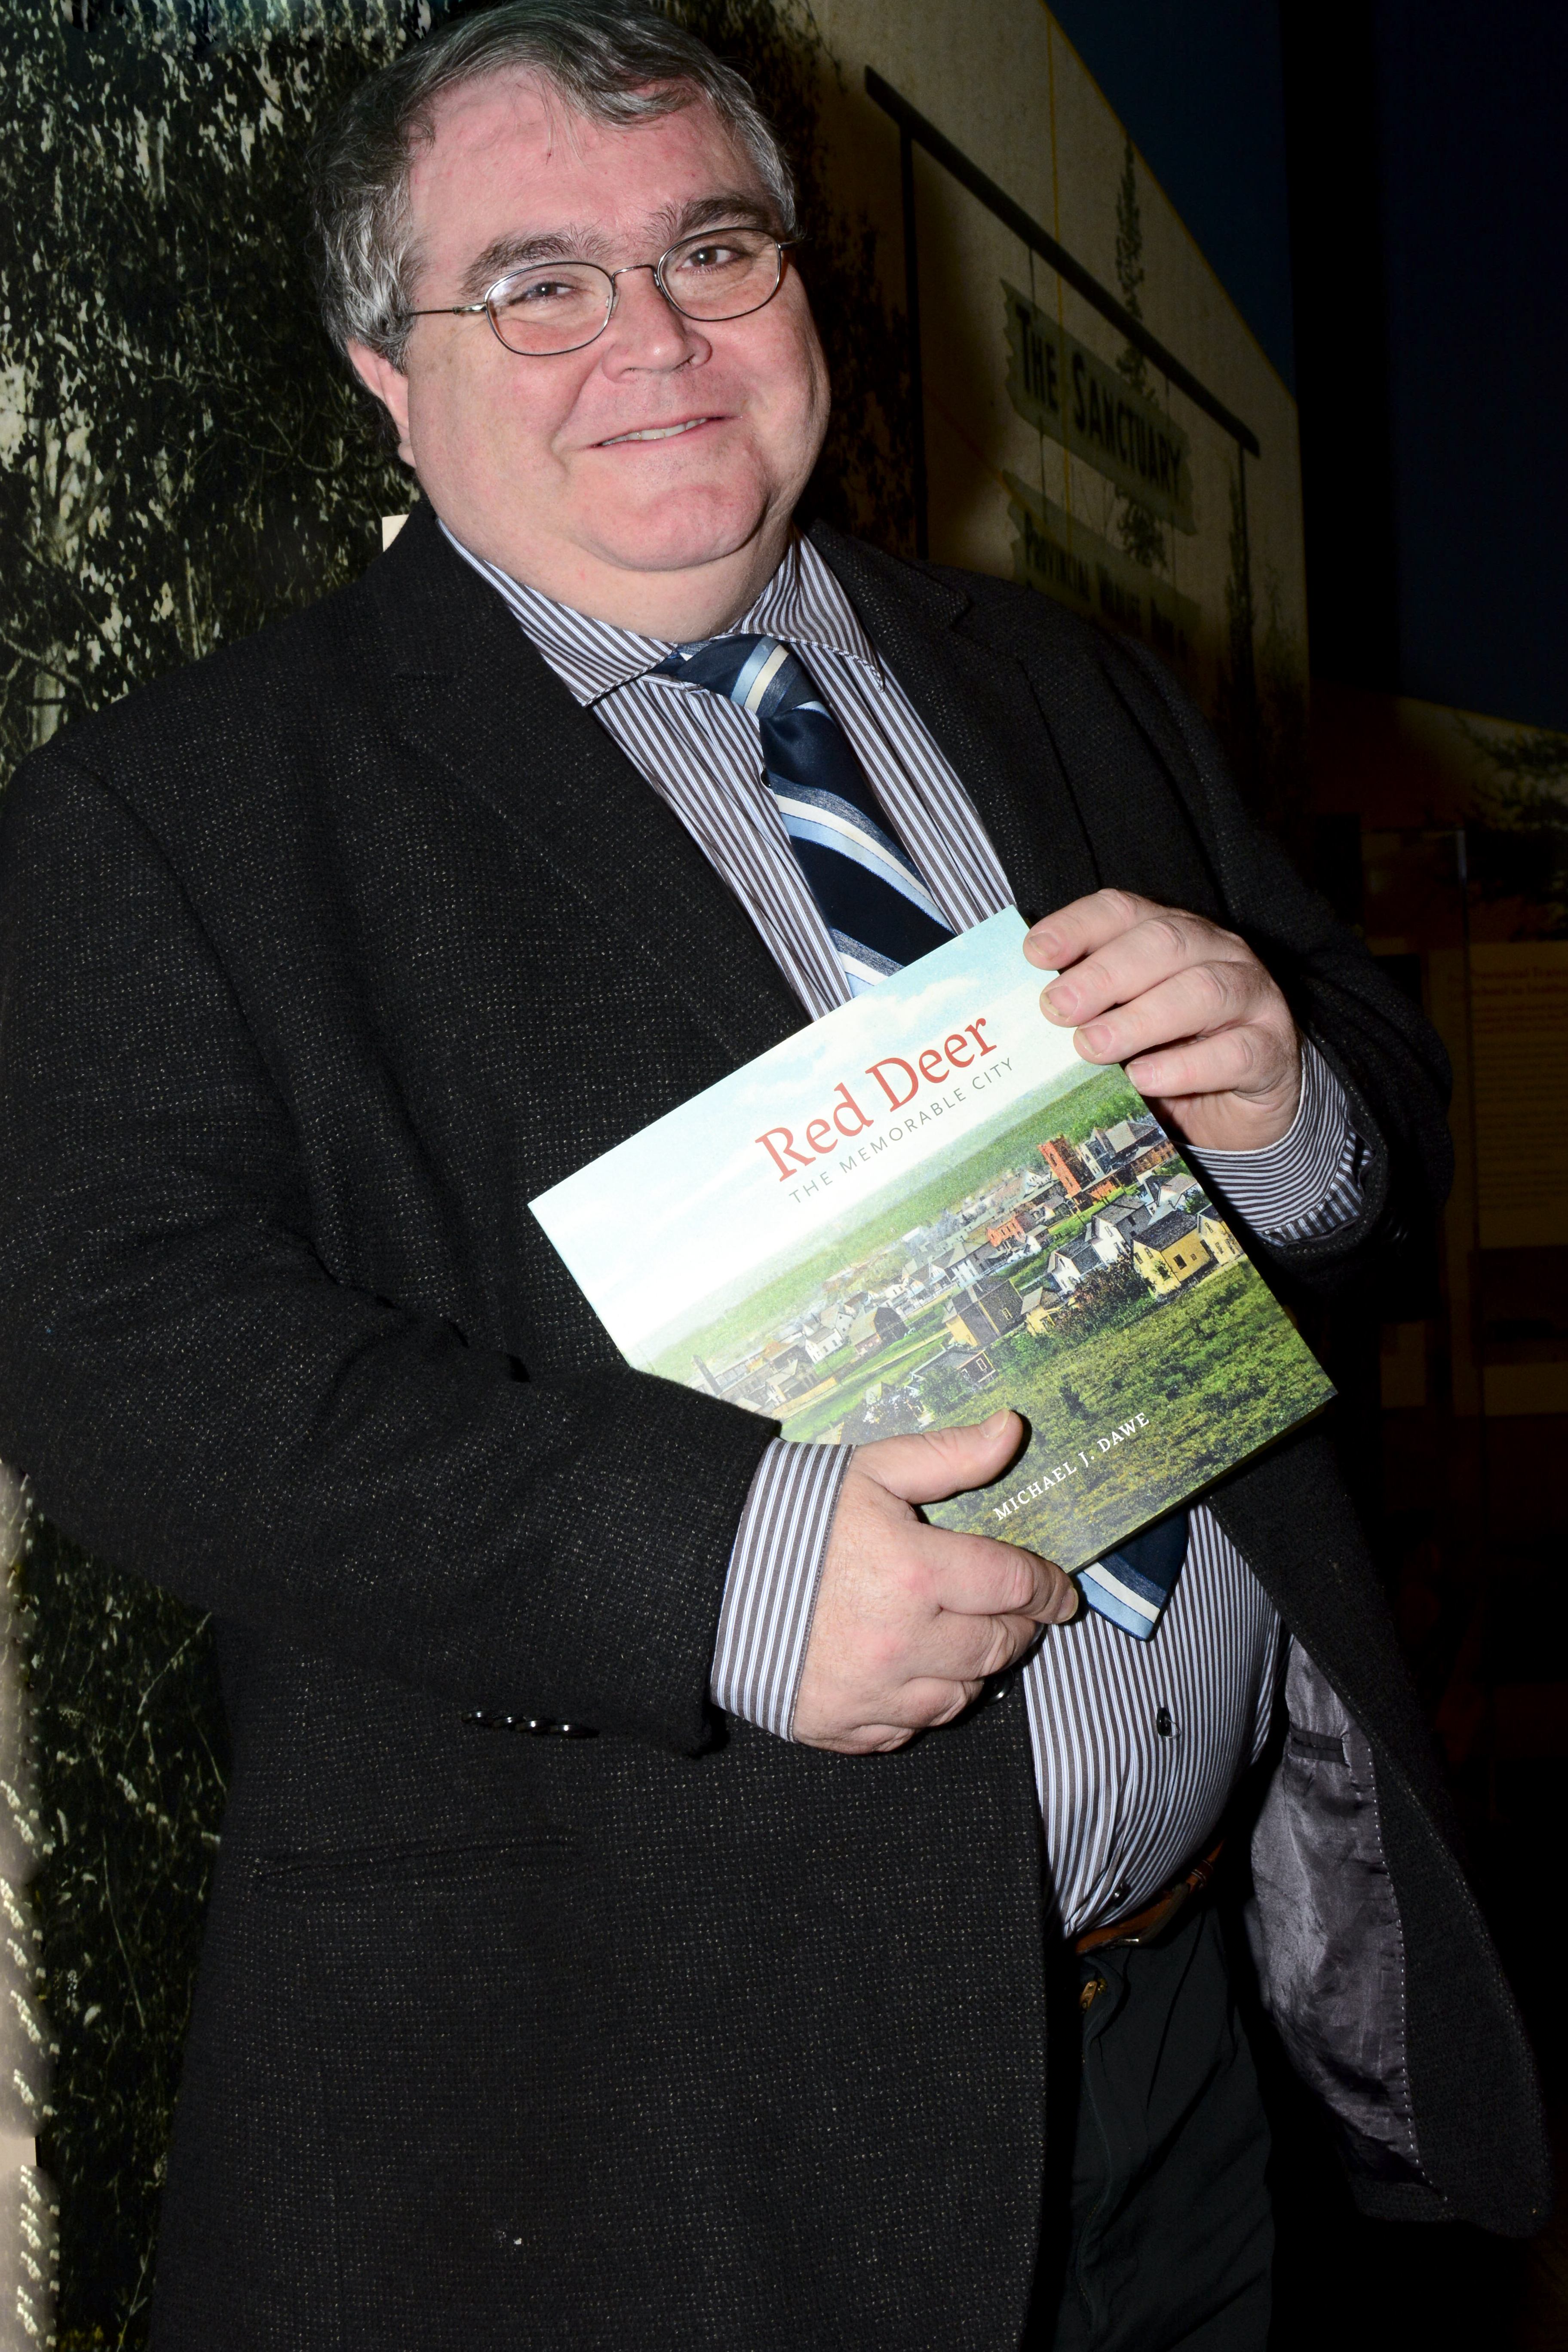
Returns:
point(424, 1869)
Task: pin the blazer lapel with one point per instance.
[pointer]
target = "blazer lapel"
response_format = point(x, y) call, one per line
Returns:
point(981, 711)
point(470, 693)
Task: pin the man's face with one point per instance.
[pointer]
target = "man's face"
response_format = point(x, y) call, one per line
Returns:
point(537, 464)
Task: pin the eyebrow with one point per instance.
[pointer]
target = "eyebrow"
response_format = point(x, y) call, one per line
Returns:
point(734, 208)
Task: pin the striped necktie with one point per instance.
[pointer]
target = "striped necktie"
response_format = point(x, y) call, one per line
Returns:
point(1131, 1584)
point(881, 916)
point(878, 912)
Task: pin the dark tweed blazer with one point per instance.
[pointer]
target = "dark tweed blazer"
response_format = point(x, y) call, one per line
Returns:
point(319, 960)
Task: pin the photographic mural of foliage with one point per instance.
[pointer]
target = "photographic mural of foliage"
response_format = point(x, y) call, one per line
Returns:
point(1141, 532)
point(182, 459)
point(129, 1764)
point(1520, 849)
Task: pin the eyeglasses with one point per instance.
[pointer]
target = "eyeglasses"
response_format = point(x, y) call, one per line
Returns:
point(556, 307)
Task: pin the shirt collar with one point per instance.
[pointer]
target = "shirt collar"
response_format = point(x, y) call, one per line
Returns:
point(802, 603)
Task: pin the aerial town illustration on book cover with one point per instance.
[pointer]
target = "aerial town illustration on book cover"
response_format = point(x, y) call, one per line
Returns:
point(925, 1206)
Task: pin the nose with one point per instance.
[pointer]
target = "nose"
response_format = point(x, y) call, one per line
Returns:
point(645, 331)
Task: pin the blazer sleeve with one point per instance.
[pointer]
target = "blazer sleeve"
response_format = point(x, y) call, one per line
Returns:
point(196, 1397)
point(1384, 1052)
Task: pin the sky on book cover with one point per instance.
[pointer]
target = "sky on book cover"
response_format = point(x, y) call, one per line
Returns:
point(698, 1203)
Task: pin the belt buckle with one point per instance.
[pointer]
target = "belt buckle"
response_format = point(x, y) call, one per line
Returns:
point(1146, 1926)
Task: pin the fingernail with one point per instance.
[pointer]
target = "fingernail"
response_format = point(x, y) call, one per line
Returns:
point(1097, 1037)
point(1060, 996)
point(990, 1427)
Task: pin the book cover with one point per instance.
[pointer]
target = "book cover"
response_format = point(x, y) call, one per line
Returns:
point(924, 1206)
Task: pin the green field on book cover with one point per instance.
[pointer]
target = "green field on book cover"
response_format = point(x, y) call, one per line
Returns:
point(924, 1206)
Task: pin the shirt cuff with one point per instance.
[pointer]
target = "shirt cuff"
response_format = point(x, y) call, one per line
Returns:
point(770, 1591)
point(1309, 1182)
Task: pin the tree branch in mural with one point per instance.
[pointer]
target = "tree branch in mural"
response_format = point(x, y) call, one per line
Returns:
point(1137, 527)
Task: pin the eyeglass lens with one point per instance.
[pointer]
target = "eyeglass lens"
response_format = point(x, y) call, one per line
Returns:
point(558, 305)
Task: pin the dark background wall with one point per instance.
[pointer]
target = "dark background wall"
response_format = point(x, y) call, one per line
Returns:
point(1382, 184)
point(1475, 194)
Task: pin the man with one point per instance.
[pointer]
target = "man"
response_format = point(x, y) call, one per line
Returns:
point(726, 2022)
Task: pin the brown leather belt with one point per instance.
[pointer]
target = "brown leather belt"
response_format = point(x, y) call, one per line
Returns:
point(1144, 1925)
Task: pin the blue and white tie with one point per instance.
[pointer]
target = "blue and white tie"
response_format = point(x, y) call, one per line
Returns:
point(878, 912)
point(881, 916)
point(1131, 1584)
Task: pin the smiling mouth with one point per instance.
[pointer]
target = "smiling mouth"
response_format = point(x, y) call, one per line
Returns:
point(658, 432)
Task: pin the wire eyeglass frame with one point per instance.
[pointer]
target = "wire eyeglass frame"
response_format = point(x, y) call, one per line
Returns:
point(489, 301)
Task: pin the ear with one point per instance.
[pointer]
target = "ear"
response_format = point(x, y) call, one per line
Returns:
point(390, 387)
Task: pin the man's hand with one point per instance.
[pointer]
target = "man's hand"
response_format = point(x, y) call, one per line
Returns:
point(910, 1620)
point(1207, 1035)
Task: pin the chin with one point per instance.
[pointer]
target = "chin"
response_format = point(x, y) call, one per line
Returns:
point(682, 531)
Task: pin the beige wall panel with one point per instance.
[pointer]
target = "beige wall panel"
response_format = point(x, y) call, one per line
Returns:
point(999, 78)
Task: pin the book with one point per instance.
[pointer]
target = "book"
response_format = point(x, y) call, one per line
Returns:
point(923, 1206)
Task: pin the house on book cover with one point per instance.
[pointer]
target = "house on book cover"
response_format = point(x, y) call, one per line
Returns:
point(985, 1313)
point(1177, 1247)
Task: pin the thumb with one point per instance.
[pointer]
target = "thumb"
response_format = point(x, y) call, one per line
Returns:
point(942, 1461)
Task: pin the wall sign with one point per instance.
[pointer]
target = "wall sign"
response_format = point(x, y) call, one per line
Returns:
point(1063, 560)
point(1060, 387)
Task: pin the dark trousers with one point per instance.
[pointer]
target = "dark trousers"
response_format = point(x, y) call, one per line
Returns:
point(1169, 2237)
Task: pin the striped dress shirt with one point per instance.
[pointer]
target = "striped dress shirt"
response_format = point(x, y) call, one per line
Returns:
point(1137, 1745)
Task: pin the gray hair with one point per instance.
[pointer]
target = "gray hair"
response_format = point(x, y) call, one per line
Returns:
point(612, 61)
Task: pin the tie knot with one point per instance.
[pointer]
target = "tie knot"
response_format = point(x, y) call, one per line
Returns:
point(878, 911)
point(761, 674)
